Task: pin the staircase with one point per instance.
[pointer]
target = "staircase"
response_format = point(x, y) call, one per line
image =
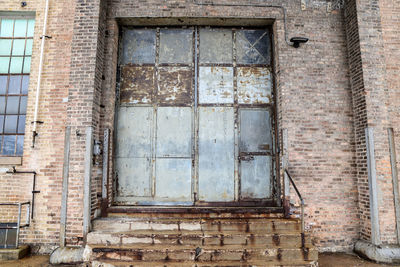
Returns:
point(197, 241)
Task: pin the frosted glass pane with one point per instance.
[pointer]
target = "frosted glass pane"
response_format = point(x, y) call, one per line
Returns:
point(5, 47)
point(18, 47)
point(21, 124)
point(12, 105)
point(16, 65)
point(1, 124)
point(27, 65)
point(2, 104)
point(10, 125)
point(9, 144)
point(14, 85)
point(4, 62)
point(31, 27)
point(20, 145)
point(25, 84)
point(20, 28)
point(3, 84)
point(28, 49)
point(22, 105)
point(6, 29)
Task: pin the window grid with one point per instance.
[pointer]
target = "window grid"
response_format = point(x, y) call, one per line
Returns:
point(15, 60)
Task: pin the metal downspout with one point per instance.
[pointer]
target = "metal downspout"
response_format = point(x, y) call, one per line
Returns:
point(43, 37)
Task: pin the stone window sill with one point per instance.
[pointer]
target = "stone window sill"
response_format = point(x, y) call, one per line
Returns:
point(10, 160)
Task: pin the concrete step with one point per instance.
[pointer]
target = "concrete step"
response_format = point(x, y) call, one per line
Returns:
point(196, 238)
point(116, 263)
point(237, 241)
point(219, 225)
point(238, 254)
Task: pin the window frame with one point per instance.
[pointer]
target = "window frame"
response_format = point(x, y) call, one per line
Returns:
point(16, 159)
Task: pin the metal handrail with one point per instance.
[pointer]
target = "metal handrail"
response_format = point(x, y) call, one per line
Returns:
point(19, 225)
point(301, 201)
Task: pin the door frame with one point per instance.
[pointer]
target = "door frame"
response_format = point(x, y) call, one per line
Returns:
point(275, 200)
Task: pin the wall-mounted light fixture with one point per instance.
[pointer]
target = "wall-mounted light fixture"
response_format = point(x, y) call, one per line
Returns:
point(297, 40)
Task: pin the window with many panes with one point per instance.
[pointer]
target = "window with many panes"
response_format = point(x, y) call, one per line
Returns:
point(16, 38)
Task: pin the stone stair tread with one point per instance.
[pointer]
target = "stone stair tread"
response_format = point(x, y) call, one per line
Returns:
point(198, 264)
point(174, 220)
point(193, 233)
point(176, 247)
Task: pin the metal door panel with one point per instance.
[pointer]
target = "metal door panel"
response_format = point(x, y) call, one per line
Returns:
point(137, 85)
point(139, 46)
point(173, 179)
point(176, 46)
point(175, 85)
point(216, 85)
point(255, 177)
point(216, 46)
point(134, 132)
point(255, 131)
point(174, 132)
point(216, 154)
point(133, 177)
point(254, 85)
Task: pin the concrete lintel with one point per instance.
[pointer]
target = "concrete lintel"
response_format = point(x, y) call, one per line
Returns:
point(14, 253)
point(382, 253)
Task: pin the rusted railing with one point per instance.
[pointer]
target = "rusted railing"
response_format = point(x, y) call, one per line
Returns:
point(301, 200)
point(19, 225)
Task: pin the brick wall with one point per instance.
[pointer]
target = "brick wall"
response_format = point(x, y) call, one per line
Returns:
point(314, 104)
point(390, 23)
point(47, 156)
point(371, 102)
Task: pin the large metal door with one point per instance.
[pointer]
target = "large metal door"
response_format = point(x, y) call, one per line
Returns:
point(195, 120)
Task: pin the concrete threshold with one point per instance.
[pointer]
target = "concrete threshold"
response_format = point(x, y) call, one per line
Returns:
point(381, 253)
point(7, 254)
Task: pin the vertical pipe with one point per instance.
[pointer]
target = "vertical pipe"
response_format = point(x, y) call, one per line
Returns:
point(105, 163)
point(28, 207)
point(395, 181)
point(18, 224)
point(285, 165)
point(196, 118)
point(6, 238)
point(105, 174)
point(87, 181)
point(40, 74)
point(64, 196)
point(373, 188)
point(33, 193)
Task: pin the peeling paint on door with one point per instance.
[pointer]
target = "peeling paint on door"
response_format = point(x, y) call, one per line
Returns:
point(195, 117)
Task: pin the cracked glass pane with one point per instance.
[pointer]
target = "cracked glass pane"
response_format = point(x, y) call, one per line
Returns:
point(253, 47)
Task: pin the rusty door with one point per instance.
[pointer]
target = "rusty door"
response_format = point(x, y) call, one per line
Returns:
point(195, 117)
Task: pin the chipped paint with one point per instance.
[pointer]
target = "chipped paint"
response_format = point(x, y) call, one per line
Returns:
point(174, 85)
point(137, 85)
point(215, 85)
point(254, 85)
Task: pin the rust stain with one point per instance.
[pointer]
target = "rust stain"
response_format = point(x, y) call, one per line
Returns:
point(276, 239)
point(279, 255)
point(254, 85)
point(252, 239)
point(137, 84)
point(175, 85)
point(305, 253)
